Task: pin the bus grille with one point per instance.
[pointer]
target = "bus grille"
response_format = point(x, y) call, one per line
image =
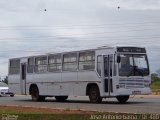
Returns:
point(133, 83)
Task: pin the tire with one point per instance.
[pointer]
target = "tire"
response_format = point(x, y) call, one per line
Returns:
point(94, 94)
point(12, 95)
point(42, 98)
point(61, 98)
point(35, 94)
point(123, 98)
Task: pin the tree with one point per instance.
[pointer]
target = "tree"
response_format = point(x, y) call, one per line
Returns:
point(6, 80)
point(158, 72)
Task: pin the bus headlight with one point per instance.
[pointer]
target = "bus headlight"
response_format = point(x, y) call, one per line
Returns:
point(146, 85)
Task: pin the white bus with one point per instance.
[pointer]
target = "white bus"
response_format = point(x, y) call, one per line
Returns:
point(98, 73)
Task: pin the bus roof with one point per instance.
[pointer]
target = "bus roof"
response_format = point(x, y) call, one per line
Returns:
point(92, 49)
point(50, 53)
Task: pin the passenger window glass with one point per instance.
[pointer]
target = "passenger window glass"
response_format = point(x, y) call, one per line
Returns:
point(99, 63)
point(107, 62)
point(106, 66)
point(41, 64)
point(115, 66)
point(54, 63)
point(111, 63)
point(87, 60)
point(30, 67)
point(70, 62)
point(14, 66)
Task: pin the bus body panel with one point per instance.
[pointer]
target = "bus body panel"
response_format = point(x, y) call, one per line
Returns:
point(52, 84)
point(45, 82)
point(133, 84)
point(14, 83)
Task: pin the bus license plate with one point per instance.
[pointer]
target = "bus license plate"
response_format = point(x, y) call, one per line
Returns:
point(136, 92)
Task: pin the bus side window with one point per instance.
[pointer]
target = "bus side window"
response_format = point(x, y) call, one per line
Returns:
point(41, 64)
point(14, 67)
point(87, 60)
point(111, 63)
point(54, 63)
point(115, 66)
point(70, 62)
point(106, 66)
point(108, 62)
point(30, 67)
point(99, 63)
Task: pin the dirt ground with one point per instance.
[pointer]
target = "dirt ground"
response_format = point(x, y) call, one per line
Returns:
point(20, 109)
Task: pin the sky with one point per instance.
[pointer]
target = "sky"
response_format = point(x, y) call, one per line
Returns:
point(32, 27)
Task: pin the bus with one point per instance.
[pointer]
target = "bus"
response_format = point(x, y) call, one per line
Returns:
point(103, 72)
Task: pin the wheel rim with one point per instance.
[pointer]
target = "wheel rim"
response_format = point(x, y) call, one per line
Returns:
point(93, 95)
point(35, 94)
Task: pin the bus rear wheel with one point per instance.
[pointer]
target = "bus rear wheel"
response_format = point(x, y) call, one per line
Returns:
point(94, 95)
point(61, 98)
point(35, 94)
point(122, 98)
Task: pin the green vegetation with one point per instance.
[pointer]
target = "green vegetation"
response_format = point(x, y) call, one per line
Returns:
point(155, 85)
point(46, 117)
point(40, 116)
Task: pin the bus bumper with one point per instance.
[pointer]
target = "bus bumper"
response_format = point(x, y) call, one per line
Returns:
point(134, 91)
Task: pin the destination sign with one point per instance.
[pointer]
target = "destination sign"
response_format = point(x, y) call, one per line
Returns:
point(131, 49)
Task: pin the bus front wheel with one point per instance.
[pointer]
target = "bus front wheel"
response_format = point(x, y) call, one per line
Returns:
point(35, 94)
point(94, 94)
point(61, 98)
point(122, 98)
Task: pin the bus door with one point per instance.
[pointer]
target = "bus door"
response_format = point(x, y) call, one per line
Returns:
point(23, 78)
point(107, 73)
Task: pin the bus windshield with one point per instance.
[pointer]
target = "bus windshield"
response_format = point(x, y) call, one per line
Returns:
point(133, 65)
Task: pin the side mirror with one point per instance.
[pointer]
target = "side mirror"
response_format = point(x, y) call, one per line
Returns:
point(118, 59)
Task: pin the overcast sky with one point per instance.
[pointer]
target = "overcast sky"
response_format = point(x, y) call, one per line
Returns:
point(30, 27)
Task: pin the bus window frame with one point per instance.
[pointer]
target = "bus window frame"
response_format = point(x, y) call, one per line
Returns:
point(94, 61)
point(69, 54)
point(59, 63)
point(45, 65)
